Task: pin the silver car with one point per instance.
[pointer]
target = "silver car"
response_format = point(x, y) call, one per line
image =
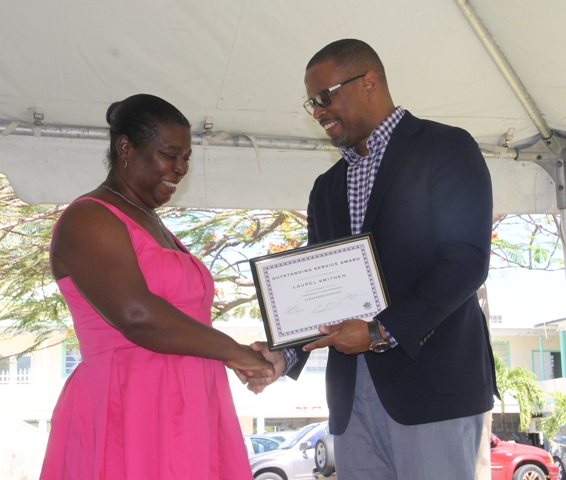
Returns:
point(260, 444)
point(557, 448)
point(293, 460)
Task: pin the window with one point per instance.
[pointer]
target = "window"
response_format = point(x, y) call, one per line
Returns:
point(72, 359)
point(551, 362)
point(502, 349)
point(23, 369)
point(317, 360)
point(496, 318)
point(4, 370)
point(261, 445)
point(556, 364)
point(15, 370)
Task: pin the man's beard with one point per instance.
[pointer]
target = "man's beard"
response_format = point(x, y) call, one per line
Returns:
point(340, 141)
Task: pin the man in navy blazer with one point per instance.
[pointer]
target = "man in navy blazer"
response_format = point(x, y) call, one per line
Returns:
point(408, 390)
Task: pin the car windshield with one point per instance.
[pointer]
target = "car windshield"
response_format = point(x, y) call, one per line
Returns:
point(291, 442)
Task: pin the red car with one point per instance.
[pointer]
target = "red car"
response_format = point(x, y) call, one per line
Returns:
point(515, 461)
point(509, 461)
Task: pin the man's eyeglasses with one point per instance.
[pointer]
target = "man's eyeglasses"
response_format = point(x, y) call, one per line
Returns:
point(322, 98)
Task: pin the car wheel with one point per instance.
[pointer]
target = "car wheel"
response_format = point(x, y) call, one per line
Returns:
point(561, 474)
point(324, 456)
point(529, 472)
point(268, 476)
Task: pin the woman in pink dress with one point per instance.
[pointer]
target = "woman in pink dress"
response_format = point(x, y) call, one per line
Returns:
point(150, 399)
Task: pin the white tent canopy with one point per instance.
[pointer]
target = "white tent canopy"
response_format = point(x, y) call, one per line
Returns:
point(235, 68)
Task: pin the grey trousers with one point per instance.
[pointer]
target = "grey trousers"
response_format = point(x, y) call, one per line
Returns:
point(374, 446)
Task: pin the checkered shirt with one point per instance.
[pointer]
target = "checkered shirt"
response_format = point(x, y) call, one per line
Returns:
point(363, 170)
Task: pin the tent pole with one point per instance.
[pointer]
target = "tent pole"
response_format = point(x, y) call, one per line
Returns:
point(504, 67)
point(221, 140)
point(280, 143)
point(563, 239)
point(562, 337)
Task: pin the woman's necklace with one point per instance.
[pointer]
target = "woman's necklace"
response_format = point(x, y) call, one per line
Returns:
point(154, 217)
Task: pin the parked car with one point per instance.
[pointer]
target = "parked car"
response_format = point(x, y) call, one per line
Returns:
point(324, 453)
point(515, 461)
point(293, 460)
point(557, 449)
point(281, 435)
point(509, 461)
point(261, 443)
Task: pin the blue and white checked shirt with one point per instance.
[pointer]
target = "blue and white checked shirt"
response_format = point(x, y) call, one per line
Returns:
point(361, 177)
point(363, 170)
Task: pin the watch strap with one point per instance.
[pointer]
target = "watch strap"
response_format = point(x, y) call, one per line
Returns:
point(378, 344)
point(374, 335)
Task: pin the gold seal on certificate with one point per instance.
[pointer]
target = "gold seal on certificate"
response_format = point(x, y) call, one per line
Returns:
point(299, 290)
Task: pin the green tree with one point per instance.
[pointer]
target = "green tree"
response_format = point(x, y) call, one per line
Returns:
point(29, 300)
point(521, 384)
point(539, 245)
point(536, 243)
point(224, 240)
point(550, 424)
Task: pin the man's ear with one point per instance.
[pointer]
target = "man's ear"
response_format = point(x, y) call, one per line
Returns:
point(371, 82)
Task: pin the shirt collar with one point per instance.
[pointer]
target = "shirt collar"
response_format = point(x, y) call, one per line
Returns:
point(378, 139)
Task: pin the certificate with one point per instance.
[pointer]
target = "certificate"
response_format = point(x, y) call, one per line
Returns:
point(327, 283)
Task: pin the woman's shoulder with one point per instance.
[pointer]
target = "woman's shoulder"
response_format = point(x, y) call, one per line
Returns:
point(90, 212)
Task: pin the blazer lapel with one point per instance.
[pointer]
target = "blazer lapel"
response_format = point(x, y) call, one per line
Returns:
point(401, 143)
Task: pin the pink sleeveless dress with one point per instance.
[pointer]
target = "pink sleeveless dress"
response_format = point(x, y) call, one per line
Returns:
point(129, 413)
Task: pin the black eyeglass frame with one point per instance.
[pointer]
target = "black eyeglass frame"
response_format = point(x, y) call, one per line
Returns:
point(322, 98)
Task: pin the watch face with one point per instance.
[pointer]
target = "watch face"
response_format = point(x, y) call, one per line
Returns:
point(379, 347)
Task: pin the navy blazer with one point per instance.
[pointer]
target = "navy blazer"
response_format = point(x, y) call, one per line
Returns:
point(430, 212)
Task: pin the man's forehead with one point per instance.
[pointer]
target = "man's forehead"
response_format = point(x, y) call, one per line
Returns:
point(322, 76)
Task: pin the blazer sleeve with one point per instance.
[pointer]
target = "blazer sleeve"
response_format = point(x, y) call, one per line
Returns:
point(451, 242)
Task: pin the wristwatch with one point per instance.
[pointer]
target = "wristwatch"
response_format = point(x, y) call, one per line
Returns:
point(378, 344)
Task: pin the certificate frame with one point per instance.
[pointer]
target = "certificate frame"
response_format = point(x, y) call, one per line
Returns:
point(301, 289)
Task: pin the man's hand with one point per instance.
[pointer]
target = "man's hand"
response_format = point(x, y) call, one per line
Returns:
point(245, 358)
point(257, 380)
point(349, 336)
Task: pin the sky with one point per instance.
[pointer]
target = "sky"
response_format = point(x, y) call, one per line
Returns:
point(526, 297)
point(523, 297)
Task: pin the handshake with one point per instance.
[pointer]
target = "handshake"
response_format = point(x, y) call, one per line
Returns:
point(269, 367)
point(259, 367)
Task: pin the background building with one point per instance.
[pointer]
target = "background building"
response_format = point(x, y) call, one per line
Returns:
point(30, 386)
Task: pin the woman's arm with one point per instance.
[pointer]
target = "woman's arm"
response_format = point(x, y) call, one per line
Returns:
point(93, 247)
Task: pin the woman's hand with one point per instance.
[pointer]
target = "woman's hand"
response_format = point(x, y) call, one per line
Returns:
point(259, 379)
point(249, 360)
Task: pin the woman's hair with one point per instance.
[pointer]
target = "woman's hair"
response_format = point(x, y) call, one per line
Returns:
point(138, 117)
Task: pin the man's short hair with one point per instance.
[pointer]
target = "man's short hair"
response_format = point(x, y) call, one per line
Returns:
point(353, 55)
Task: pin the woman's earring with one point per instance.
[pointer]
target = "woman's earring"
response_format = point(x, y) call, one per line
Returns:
point(125, 164)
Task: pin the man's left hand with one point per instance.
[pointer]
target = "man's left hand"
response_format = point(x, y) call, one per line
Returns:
point(350, 337)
